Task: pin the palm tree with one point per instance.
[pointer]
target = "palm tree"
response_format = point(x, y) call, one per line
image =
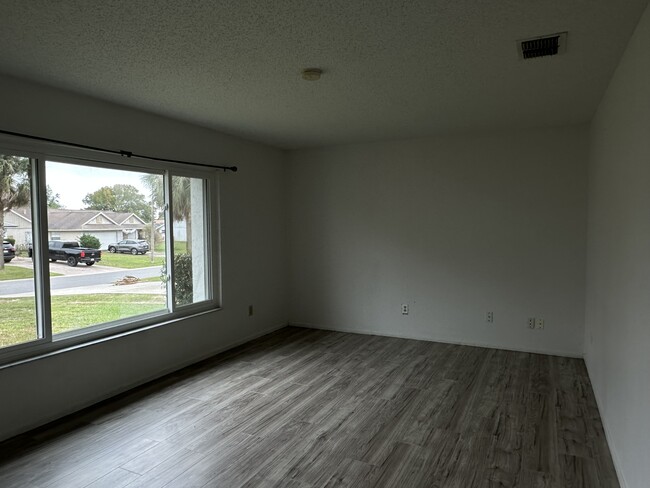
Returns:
point(181, 200)
point(14, 187)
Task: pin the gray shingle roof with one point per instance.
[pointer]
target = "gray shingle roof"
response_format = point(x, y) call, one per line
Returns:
point(64, 219)
point(120, 217)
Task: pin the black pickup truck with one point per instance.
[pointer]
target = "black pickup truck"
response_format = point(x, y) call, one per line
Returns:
point(72, 253)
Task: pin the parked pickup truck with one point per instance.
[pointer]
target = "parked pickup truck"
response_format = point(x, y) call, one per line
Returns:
point(72, 253)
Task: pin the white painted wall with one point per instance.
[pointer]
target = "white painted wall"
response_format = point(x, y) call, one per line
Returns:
point(617, 336)
point(254, 254)
point(455, 227)
point(17, 228)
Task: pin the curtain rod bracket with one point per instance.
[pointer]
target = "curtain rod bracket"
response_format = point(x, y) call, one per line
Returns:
point(126, 154)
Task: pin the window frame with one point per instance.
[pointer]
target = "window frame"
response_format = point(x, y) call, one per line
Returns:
point(47, 343)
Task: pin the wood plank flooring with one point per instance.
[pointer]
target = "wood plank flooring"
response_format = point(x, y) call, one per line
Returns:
point(304, 408)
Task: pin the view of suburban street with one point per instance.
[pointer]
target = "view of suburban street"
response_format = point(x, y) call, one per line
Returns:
point(124, 286)
point(85, 281)
point(106, 246)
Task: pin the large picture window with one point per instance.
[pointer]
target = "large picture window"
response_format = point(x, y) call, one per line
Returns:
point(97, 248)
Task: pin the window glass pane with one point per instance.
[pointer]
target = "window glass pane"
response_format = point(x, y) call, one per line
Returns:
point(17, 303)
point(190, 244)
point(105, 243)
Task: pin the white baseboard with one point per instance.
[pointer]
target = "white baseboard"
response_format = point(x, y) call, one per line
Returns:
point(610, 442)
point(129, 386)
point(549, 352)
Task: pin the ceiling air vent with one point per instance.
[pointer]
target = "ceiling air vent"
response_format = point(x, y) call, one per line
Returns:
point(542, 46)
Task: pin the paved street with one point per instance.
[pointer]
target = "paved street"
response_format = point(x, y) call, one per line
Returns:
point(92, 278)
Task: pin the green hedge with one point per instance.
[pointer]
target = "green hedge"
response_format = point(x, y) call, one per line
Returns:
point(87, 240)
point(183, 278)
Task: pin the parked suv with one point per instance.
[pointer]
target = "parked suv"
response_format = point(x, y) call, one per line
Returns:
point(8, 251)
point(134, 246)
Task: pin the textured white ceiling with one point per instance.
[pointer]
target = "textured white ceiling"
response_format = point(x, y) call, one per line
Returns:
point(392, 69)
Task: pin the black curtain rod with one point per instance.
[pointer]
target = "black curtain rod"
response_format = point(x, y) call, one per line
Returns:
point(126, 154)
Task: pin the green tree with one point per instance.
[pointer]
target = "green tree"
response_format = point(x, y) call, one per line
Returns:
point(14, 187)
point(181, 200)
point(53, 199)
point(102, 199)
point(89, 240)
point(119, 198)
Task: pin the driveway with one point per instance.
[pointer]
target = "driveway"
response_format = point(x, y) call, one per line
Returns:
point(62, 268)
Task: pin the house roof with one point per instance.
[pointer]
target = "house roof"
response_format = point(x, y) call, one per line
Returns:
point(73, 219)
point(122, 217)
point(24, 213)
point(65, 219)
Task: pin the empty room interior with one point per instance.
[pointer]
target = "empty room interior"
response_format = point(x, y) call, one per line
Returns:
point(314, 244)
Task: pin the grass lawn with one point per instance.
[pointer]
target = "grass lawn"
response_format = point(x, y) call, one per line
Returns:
point(153, 279)
point(17, 322)
point(180, 247)
point(18, 273)
point(129, 261)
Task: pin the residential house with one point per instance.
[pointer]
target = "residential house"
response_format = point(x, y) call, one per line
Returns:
point(179, 228)
point(18, 225)
point(65, 224)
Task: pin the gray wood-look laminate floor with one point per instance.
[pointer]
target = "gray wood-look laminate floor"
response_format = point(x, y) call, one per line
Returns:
point(307, 408)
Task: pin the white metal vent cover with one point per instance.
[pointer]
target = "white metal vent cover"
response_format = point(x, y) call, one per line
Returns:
point(537, 47)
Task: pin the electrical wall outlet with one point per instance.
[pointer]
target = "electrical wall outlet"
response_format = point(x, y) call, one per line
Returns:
point(531, 322)
point(539, 323)
point(489, 317)
point(405, 309)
